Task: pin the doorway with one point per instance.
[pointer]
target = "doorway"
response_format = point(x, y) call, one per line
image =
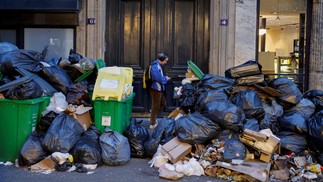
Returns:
point(282, 39)
point(137, 30)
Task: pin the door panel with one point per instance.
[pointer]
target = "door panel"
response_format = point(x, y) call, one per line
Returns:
point(138, 29)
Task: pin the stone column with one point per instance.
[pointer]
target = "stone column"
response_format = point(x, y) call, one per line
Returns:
point(245, 31)
point(316, 54)
point(91, 37)
point(221, 36)
point(235, 43)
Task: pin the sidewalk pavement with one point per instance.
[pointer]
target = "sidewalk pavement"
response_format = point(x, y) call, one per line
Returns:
point(135, 170)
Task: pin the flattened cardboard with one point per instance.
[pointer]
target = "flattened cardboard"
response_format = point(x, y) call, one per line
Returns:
point(190, 75)
point(175, 150)
point(256, 169)
point(176, 113)
point(82, 115)
point(265, 157)
point(43, 165)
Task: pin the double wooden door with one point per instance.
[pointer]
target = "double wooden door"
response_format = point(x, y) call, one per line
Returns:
point(138, 29)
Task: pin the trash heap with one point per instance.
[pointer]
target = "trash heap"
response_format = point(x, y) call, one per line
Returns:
point(64, 137)
point(241, 127)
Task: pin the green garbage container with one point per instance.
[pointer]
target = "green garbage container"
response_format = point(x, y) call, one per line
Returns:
point(18, 120)
point(112, 113)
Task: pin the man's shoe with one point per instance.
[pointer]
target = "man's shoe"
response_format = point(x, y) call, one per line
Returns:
point(153, 126)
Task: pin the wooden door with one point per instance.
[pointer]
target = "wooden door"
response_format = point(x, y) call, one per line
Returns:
point(138, 29)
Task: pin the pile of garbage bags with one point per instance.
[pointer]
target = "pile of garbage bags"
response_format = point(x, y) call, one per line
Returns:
point(219, 109)
point(59, 136)
point(28, 74)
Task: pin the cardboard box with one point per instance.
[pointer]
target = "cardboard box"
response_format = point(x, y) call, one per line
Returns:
point(175, 150)
point(82, 115)
point(190, 75)
point(265, 145)
point(176, 113)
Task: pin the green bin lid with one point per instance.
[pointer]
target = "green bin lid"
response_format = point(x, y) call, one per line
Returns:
point(195, 69)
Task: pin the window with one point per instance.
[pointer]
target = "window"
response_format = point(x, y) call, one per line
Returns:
point(59, 40)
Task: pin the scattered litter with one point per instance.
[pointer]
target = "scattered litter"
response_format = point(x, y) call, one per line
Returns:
point(8, 163)
point(90, 172)
point(309, 175)
point(90, 166)
point(73, 168)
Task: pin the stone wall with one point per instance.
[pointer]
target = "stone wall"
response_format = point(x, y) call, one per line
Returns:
point(316, 54)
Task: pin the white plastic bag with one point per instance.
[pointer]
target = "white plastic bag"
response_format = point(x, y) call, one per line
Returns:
point(57, 104)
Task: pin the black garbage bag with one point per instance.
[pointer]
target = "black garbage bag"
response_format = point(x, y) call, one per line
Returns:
point(293, 121)
point(92, 132)
point(74, 73)
point(26, 59)
point(228, 134)
point(137, 136)
point(151, 146)
point(315, 130)
point(209, 96)
point(248, 68)
point(319, 158)
point(252, 124)
point(196, 129)
point(87, 149)
point(9, 73)
point(305, 107)
point(7, 47)
point(269, 122)
point(272, 108)
point(24, 91)
point(57, 77)
point(62, 134)
point(250, 102)
point(215, 82)
point(63, 167)
point(291, 95)
point(32, 152)
point(45, 122)
point(187, 99)
point(115, 148)
point(166, 128)
point(272, 111)
point(47, 89)
point(316, 96)
point(74, 57)
point(233, 149)
point(226, 114)
point(163, 133)
point(291, 142)
point(61, 62)
point(78, 94)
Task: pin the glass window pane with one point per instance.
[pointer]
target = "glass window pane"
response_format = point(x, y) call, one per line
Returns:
point(59, 40)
